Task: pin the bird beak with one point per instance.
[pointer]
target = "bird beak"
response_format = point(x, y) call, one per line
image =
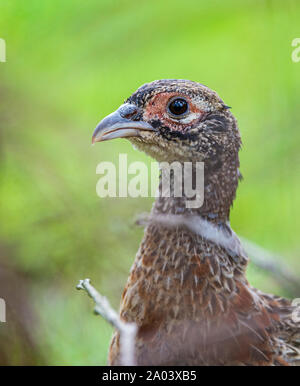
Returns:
point(117, 125)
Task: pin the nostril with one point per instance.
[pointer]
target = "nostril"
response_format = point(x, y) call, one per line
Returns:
point(128, 110)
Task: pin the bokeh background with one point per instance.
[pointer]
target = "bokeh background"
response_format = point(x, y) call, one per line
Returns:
point(69, 63)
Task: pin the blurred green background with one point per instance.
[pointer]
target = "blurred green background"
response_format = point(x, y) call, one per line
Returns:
point(69, 63)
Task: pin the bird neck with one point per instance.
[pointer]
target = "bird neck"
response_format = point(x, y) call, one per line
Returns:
point(214, 188)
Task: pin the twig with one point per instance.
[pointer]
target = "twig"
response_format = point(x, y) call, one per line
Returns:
point(270, 262)
point(127, 330)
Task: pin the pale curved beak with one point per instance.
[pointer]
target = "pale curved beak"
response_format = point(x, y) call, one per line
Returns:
point(118, 125)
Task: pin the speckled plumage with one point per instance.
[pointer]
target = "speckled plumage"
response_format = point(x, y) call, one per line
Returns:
point(189, 295)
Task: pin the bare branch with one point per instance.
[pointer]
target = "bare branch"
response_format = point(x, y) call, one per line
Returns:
point(127, 330)
point(272, 263)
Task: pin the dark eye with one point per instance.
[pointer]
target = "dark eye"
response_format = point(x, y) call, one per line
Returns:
point(178, 107)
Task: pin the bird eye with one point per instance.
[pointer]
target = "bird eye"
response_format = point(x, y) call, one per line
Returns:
point(178, 107)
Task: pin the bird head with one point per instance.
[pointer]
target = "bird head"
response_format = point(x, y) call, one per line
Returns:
point(175, 120)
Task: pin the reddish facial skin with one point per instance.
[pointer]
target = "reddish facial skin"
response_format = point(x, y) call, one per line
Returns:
point(157, 110)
